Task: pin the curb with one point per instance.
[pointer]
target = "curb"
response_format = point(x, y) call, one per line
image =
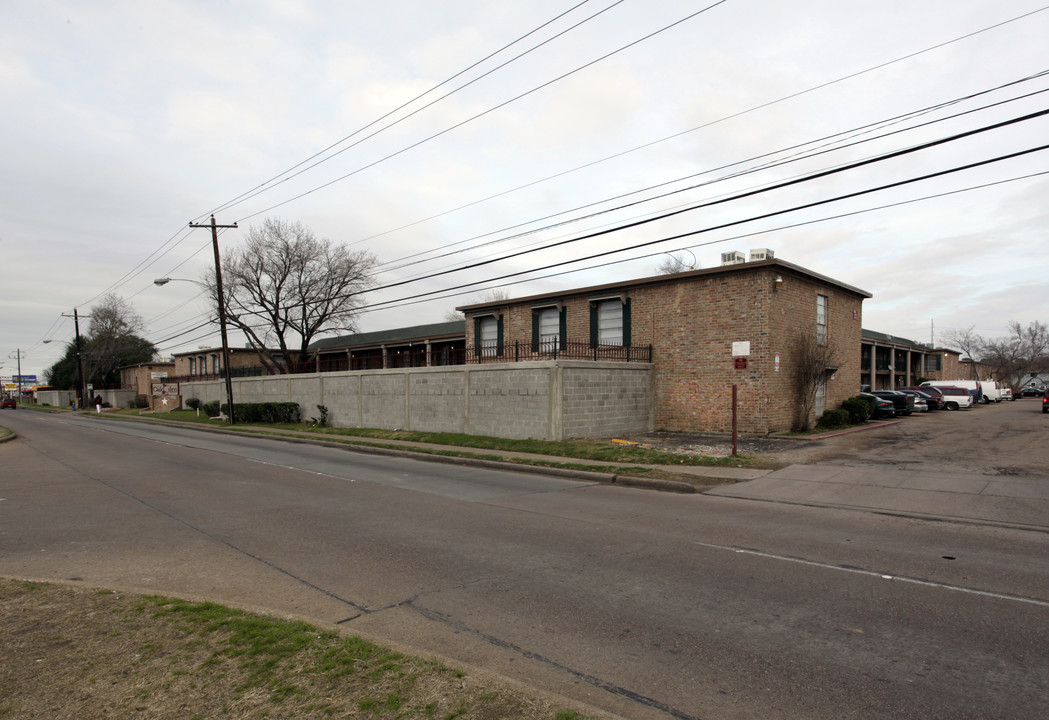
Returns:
point(592, 476)
point(851, 430)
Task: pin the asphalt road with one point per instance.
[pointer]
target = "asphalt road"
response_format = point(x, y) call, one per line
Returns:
point(644, 604)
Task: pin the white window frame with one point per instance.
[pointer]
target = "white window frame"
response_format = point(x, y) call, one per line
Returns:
point(549, 328)
point(610, 321)
point(488, 335)
point(822, 310)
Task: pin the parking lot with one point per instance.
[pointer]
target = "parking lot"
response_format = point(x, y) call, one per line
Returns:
point(1007, 438)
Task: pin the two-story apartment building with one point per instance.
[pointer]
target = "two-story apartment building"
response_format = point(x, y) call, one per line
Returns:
point(745, 325)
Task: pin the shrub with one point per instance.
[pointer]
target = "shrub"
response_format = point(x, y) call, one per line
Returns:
point(194, 403)
point(211, 409)
point(267, 412)
point(140, 401)
point(323, 422)
point(833, 419)
point(859, 407)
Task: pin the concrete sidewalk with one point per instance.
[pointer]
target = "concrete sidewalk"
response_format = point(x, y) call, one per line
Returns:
point(1017, 502)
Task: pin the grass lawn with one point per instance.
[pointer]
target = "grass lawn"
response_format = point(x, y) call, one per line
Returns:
point(82, 653)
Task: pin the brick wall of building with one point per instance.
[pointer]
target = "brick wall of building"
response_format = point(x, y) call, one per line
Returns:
point(692, 320)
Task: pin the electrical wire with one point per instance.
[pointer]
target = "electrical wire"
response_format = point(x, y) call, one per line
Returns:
point(273, 182)
point(390, 304)
point(831, 147)
point(722, 226)
point(738, 196)
point(136, 269)
point(726, 118)
point(484, 112)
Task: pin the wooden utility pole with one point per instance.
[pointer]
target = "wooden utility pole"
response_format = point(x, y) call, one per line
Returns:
point(79, 362)
point(222, 309)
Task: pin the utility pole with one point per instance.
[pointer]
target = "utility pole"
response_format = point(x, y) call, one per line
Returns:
point(18, 356)
point(79, 363)
point(222, 310)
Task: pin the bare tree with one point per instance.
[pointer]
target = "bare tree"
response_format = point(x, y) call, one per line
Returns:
point(114, 339)
point(1023, 353)
point(285, 287)
point(969, 343)
point(492, 296)
point(674, 263)
point(810, 363)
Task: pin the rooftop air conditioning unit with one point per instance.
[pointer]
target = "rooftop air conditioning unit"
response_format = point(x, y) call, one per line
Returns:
point(733, 258)
point(761, 254)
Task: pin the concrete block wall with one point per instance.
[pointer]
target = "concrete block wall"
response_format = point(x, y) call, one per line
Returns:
point(437, 400)
point(513, 398)
point(384, 400)
point(548, 400)
point(618, 400)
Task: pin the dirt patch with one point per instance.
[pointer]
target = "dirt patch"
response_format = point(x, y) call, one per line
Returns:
point(78, 653)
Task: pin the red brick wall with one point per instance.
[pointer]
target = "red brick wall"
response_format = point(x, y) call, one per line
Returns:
point(691, 323)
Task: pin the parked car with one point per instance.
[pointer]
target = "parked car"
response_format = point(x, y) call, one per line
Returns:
point(882, 407)
point(904, 403)
point(8, 402)
point(1007, 394)
point(1045, 402)
point(955, 398)
point(1032, 391)
point(973, 386)
point(932, 401)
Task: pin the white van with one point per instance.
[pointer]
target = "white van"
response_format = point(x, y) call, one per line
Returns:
point(971, 385)
point(992, 391)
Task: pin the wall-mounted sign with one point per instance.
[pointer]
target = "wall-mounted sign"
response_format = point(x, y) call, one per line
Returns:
point(741, 349)
point(741, 363)
point(165, 389)
point(777, 362)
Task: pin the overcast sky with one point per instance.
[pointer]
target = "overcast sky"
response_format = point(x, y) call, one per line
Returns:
point(123, 121)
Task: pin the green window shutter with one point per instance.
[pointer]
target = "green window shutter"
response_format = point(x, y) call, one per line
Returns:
point(535, 331)
point(477, 337)
point(626, 322)
point(499, 335)
point(593, 324)
point(562, 327)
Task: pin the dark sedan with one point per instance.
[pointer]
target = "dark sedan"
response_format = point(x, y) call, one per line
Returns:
point(1033, 391)
point(933, 401)
point(882, 407)
point(904, 403)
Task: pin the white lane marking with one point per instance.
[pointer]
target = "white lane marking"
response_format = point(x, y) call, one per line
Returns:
point(883, 576)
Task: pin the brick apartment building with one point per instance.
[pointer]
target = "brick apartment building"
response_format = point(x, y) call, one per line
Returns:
point(655, 353)
point(739, 324)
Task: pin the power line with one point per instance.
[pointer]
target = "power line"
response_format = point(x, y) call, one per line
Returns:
point(796, 208)
point(746, 194)
point(726, 118)
point(732, 224)
point(485, 112)
point(766, 166)
point(136, 269)
point(270, 184)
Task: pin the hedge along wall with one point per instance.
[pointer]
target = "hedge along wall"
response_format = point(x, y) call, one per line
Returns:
point(546, 400)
